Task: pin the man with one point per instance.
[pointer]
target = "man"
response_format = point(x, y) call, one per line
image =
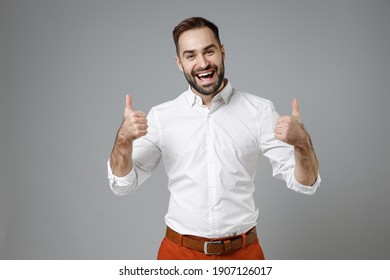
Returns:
point(210, 138)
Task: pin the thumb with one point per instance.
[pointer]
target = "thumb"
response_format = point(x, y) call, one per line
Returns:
point(129, 102)
point(295, 108)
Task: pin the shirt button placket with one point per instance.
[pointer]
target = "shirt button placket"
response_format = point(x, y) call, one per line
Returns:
point(211, 172)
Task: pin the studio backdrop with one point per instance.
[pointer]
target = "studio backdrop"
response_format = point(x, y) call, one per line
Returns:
point(66, 66)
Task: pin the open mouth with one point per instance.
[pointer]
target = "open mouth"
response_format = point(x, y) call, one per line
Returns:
point(205, 76)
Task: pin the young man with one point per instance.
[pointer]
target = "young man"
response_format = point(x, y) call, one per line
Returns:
point(210, 138)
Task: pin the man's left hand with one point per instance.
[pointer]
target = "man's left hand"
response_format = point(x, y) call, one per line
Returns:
point(290, 130)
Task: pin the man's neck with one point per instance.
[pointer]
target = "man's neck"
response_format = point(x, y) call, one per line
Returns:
point(207, 98)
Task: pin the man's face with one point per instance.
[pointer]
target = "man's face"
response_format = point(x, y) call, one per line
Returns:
point(201, 59)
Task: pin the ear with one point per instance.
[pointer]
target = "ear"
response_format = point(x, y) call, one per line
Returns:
point(223, 51)
point(178, 63)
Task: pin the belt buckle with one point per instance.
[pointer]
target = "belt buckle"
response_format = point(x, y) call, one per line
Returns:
point(206, 243)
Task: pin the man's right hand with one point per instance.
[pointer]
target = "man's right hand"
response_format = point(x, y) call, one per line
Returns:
point(134, 125)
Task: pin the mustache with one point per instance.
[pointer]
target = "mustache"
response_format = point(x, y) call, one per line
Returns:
point(209, 67)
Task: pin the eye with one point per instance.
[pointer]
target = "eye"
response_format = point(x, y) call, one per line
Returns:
point(190, 57)
point(210, 52)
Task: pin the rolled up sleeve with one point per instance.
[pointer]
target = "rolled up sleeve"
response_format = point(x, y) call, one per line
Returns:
point(309, 190)
point(122, 185)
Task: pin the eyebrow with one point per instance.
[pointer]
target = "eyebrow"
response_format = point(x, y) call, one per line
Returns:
point(205, 48)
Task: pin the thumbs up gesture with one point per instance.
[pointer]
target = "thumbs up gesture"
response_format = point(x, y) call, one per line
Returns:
point(134, 123)
point(289, 129)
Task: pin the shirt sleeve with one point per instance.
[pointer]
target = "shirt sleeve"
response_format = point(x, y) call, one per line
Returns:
point(121, 185)
point(146, 156)
point(280, 154)
point(298, 187)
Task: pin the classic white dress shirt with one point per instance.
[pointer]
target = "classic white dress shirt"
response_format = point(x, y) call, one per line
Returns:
point(211, 157)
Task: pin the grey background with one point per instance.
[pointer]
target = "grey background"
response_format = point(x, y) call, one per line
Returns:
point(67, 65)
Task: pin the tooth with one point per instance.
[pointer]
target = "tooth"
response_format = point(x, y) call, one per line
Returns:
point(205, 74)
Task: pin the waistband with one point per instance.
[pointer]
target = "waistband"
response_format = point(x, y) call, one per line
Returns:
point(213, 246)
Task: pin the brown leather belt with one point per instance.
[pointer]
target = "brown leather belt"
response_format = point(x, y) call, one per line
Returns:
point(213, 246)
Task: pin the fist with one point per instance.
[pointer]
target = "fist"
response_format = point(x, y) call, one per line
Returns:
point(289, 129)
point(135, 124)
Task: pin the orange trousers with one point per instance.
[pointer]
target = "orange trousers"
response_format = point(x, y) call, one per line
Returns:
point(169, 250)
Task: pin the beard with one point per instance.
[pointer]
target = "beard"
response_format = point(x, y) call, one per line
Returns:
point(208, 89)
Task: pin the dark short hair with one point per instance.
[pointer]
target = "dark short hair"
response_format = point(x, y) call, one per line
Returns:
point(193, 23)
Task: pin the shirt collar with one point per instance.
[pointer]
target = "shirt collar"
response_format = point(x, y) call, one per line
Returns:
point(223, 95)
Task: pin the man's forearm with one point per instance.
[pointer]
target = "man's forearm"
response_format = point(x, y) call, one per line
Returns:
point(120, 159)
point(306, 164)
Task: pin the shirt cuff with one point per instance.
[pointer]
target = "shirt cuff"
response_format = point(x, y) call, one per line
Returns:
point(310, 190)
point(121, 185)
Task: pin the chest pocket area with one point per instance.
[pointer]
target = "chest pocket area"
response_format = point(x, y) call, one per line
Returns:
point(236, 141)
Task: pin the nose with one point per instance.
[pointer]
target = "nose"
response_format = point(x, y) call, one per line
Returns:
point(202, 61)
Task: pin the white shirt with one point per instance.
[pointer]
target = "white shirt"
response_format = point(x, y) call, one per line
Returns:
point(211, 158)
